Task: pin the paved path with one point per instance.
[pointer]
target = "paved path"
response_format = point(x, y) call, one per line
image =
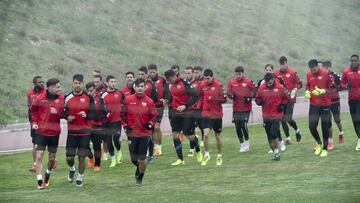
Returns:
point(16, 137)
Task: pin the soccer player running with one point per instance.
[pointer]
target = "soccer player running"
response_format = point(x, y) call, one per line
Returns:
point(293, 84)
point(351, 81)
point(333, 92)
point(273, 97)
point(241, 90)
point(189, 75)
point(182, 97)
point(163, 93)
point(212, 97)
point(269, 68)
point(79, 111)
point(46, 112)
point(100, 87)
point(152, 93)
point(97, 131)
point(37, 90)
point(113, 100)
point(317, 84)
point(139, 117)
point(198, 76)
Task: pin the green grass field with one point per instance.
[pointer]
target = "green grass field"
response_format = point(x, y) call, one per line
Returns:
point(300, 176)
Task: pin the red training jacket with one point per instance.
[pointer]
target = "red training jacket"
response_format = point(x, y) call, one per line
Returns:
point(238, 90)
point(321, 79)
point(31, 96)
point(351, 80)
point(127, 91)
point(290, 79)
point(73, 105)
point(272, 98)
point(212, 96)
point(182, 93)
point(137, 112)
point(113, 103)
point(49, 124)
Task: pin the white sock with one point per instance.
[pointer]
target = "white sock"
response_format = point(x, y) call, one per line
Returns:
point(341, 133)
point(276, 151)
point(330, 140)
point(39, 177)
point(192, 150)
point(72, 168)
point(219, 155)
point(48, 171)
point(113, 158)
point(206, 153)
point(34, 163)
point(298, 130)
point(80, 177)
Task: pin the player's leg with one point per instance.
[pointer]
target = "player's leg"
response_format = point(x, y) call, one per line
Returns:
point(314, 116)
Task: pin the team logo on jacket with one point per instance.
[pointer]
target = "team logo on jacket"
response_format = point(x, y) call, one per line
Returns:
point(244, 84)
point(144, 104)
point(116, 95)
point(56, 101)
point(320, 77)
point(287, 75)
point(178, 86)
point(212, 88)
point(358, 71)
point(82, 100)
point(276, 89)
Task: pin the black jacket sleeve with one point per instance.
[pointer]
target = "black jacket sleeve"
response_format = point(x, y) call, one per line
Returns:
point(190, 90)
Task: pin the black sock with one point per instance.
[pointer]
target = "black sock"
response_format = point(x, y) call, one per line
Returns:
point(151, 148)
point(178, 148)
point(195, 143)
point(141, 175)
point(40, 182)
point(137, 172)
point(97, 161)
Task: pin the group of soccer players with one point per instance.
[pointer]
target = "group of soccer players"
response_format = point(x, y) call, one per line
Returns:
point(98, 111)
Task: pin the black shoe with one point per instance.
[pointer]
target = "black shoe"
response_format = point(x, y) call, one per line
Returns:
point(298, 136)
point(138, 182)
point(277, 157)
point(71, 176)
point(47, 179)
point(79, 183)
point(150, 160)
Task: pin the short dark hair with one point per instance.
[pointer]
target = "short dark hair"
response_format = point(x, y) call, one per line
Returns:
point(138, 81)
point(35, 78)
point(269, 65)
point(152, 66)
point(208, 72)
point(327, 63)
point(239, 69)
point(282, 60)
point(175, 67)
point(268, 76)
point(198, 68)
point(190, 68)
point(109, 77)
point(98, 76)
point(354, 55)
point(169, 73)
point(78, 77)
point(312, 63)
point(52, 81)
point(143, 69)
point(130, 72)
point(89, 85)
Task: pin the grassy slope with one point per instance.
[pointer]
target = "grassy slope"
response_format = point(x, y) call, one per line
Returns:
point(253, 177)
point(60, 38)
